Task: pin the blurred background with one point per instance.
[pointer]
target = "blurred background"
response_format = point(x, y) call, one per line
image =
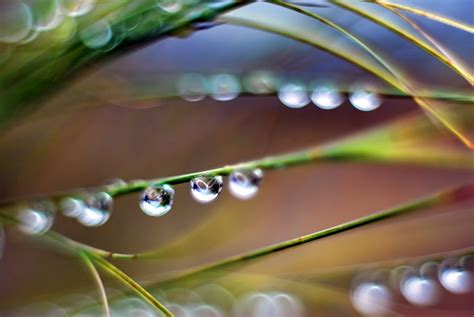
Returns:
point(123, 118)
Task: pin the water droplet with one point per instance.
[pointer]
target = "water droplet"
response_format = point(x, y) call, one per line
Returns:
point(244, 184)
point(420, 291)
point(97, 211)
point(72, 207)
point(326, 98)
point(192, 87)
point(16, 22)
point(205, 311)
point(157, 200)
point(293, 96)
point(371, 299)
point(75, 8)
point(260, 83)
point(170, 6)
point(456, 280)
point(224, 87)
point(178, 310)
point(206, 188)
point(96, 35)
point(365, 100)
point(36, 218)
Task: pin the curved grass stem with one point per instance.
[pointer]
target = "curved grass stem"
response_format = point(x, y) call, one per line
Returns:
point(125, 279)
point(103, 295)
point(449, 195)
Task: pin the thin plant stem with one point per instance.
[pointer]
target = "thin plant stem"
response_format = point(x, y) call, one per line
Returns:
point(417, 205)
point(432, 16)
point(125, 279)
point(100, 285)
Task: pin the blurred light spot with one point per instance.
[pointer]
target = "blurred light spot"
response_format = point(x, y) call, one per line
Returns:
point(96, 35)
point(205, 189)
point(16, 22)
point(178, 311)
point(244, 184)
point(224, 87)
point(256, 305)
point(75, 8)
point(456, 280)
point(365, 100)
point(371, 299)
point(170, 6)
point(326, 98)
point(293, 95)
point(192, 87)
point(287, 305)
point(46, 15)
point(420, 291)
point(260, 83)
point(37, 218)
point(206, 311)
point(33, 35)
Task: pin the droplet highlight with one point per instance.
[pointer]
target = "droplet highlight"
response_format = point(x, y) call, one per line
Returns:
point(326, 98)
point(156, 201)
point(205, 189)
point(36, 218)
point(192, 87)
point(420, 291)
point(97, 211)
point(293, 96)
point(371, 299)
point(75, 8)
point(244, 184)
point(365, 100)
point(224, 87)
point(456, 280)
point(96, 35)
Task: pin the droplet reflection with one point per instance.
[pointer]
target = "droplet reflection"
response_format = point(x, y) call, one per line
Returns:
point(224, 87)
point(96, 35)
point(326, 98)
point(192, 87)
point(157, 201)
point(244, 184)
point(293, 96)
point(97, 211)
point(365, 100)
point(37, 218)
point(75, 8)
point(420, 291)
point(205, 189)
point(371, 299)
point(456, 280)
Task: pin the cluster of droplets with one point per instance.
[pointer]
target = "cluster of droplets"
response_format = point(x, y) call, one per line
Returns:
point(157, 200)
point(420, 286)
point(22, 21)
point(225, 87)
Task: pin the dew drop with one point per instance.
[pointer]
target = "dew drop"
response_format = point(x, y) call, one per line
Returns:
point(16, 22)
point(326, 98)
point(36, 218)
point(244, 184)
point(224, 87)
point(293, 96)
point(97, 211)
point(206, 311)
point(371, 299)
point(420, 291)
point(192, 87)
point(72, 207)
point(205, 189)
point(96, 35)
point(260, 83)
point(365, 100)
point(75, 8)
point(456, 280)
point(157, 200)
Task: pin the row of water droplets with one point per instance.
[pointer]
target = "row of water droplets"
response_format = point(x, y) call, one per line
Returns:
point(419, 287)
point(94, 209)
point(225, 87)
